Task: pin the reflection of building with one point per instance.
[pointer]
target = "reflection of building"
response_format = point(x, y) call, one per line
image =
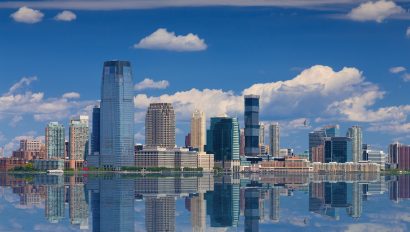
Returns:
point(117, 115)
point(198, 212)
point(274, 210)
point(78, 206)
point(160, 214)
point(223, 202)
point(399, 189)
point(251, 119)
point(252, 209)
point(55, 197)
point(160, 126)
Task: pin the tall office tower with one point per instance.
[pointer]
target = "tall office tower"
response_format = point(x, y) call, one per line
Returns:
point(160, 125)
point(188, 140)
point(274, 139)
point(79, 138)
point(338, 149)
point(242, 142)
point(261, 133)
point(252, 209)
point(117, 115)
point(198, 212)
point(274, 210)
point(55, 141)
point(160, 213)
point(198, 130)
point(399, 156)
point(223, 142)
point(95, 134)
point(316, 138)
point(332, 130)
point(251, 125)
point(355, 133)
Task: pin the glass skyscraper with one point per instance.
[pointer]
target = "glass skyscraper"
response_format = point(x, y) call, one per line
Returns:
point(338, 149)
point(251, 125)
point(55, 141)
point(117, 115)
point(95, 135)
point(355, 133)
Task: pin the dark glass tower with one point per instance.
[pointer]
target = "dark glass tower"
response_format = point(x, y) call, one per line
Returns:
point(251, 125)
point(338, 149)
point(117, 115)
point(95, 136)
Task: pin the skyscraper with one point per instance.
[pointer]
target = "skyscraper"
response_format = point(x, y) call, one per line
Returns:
point(223, 142)
point(399, 156)
point(274, 139)
point(95, 135)
point(117, 115)
point(55, 141)
point(79, 138)
point(332, 130)
point(338, 149)
point(355, 133)
point(316, 138)
point(251, 125)
point(160, 125)
point(198, 130)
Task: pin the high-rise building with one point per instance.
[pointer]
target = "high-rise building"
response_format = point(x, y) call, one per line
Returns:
point(55, 141)
point(223, 142)
point(95, 134)
point(251, 125)
point(274, 140)
point(338, 149)
point(332, 130)
point(399, 156)
point(117, 115)
point(79, 140)
point(198, 130)
point(160, 125)
point(355, 133)
point(242, 142)
point(317, 137)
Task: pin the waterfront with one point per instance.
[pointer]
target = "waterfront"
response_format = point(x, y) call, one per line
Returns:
point(311, 202)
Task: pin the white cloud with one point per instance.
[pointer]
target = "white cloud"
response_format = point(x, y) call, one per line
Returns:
point(66, 15)
point(14, 105)
point(375, 11)
point(71, 95)
point(406, 77)
point(397, 69)
point(27, 15)
point(390, 127)
point(148, 83)
point(15, 120)
point(161, 39)
point(408, 32)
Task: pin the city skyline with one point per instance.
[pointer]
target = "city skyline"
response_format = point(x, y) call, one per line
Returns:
point(304, 57)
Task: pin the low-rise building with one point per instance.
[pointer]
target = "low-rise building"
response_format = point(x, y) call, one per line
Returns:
point(333, 167)
point(49, 164)
point(288, 164)
point(7, 164)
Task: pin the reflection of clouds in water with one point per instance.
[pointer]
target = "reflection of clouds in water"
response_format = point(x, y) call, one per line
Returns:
point(53, 228)
point(371, 227)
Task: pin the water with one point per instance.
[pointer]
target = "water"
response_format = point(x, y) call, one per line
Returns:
point(357, 202)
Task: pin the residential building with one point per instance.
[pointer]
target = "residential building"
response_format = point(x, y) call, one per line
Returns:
point(198, 130)
point(30, 149)
point(274, 139)
point(355, 133)
point(55, 141)
point(223, 142)
point(160, 125)
point(117, 115)
point(399, 156)
point(251, 125)
point(79, 141)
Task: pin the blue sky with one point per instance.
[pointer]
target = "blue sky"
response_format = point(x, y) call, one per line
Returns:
point(293, 55)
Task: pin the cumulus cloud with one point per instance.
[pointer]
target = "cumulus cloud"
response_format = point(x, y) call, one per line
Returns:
point(14, 104)
point(71, 95)
point(27, 15)
point(162, 39)
point(66, 15)
point(397, 69)
point(375, 11)
point(148, 83)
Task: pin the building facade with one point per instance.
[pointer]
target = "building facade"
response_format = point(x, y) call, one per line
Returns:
point(338, 149)
point(55, 141)
point(198, 130)
point(355, 133)
point(160, 125)
point(223, 142)
point(95, 134)
point(274, 140)
point(78, 140)
point(117, 115)
point(251, 118)
point(30, 149)
point(399, 156)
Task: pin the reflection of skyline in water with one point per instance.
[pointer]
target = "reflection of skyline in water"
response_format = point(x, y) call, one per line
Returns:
point(245, 202)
